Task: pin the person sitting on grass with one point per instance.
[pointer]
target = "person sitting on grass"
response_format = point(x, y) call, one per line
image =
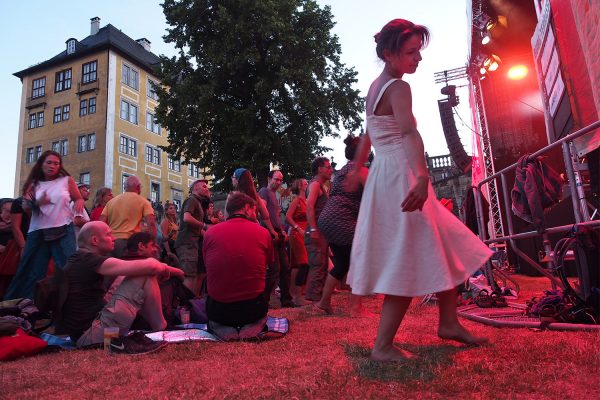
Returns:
point(84, 313)
point(236, 255)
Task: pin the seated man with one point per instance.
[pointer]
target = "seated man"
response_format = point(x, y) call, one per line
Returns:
point(84, 313)
point(236, 254)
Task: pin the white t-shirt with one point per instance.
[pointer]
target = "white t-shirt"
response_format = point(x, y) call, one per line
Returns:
point(56, 213)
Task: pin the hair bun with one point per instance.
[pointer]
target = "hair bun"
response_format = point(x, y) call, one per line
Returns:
point(348, 140)
point(377, 36)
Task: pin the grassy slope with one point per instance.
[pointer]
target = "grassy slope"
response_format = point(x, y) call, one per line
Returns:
point(327, 357)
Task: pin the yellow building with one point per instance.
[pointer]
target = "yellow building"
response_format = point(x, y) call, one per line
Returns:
point(94, 103)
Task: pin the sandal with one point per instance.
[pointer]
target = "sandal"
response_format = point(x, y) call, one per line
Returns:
point(483, 299)
point(498, 300)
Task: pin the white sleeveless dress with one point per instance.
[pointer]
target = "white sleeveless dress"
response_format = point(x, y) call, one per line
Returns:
point(406, 253)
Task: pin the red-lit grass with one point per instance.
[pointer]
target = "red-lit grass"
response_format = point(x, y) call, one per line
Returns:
point(327, 357)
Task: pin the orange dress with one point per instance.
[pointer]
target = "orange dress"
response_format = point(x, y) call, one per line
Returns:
point(298, 255)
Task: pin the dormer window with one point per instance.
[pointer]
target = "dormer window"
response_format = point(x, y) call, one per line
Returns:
point(71, 46)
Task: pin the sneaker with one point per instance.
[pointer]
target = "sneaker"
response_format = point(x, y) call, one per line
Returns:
point(136, 343)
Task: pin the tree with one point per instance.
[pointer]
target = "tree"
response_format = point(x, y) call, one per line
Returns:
point(255, 81)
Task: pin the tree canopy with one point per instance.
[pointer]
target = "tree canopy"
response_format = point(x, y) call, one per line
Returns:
point(254, 82)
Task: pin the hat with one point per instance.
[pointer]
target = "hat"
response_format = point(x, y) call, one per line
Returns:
point(238, 172)
point(82, 184)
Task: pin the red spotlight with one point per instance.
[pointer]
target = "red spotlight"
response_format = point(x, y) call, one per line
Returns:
point(518, 72)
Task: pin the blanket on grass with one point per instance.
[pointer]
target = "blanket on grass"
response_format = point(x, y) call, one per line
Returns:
point(274, 328)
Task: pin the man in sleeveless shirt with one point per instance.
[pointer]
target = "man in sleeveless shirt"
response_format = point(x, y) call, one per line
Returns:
point(282, 263)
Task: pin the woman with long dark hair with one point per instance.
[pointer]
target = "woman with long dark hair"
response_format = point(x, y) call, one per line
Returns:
point(245, 183)
point(47, 192)
point(103, 196)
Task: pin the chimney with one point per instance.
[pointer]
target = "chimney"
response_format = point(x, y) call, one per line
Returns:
point(95, 25)
point(145, 43)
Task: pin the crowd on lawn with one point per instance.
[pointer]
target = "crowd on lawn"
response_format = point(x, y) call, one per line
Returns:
point(386, 232)
point(111, 261)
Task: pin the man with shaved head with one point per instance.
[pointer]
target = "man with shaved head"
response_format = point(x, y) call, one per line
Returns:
point(125, 213)
point(84, 312)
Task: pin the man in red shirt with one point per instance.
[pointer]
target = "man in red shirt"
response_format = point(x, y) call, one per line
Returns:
point(236, 254)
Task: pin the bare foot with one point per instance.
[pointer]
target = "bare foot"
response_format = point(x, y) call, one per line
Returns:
point(361, 313)
point(460, 334)
point(324, 307)
point(300, 302)
point(393, 354)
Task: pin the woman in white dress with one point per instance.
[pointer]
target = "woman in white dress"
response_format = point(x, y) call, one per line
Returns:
point(406, 243)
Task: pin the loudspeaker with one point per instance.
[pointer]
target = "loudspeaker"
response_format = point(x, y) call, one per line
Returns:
point(457, 150)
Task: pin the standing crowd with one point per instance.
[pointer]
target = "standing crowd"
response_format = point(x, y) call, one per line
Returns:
point(381, 226)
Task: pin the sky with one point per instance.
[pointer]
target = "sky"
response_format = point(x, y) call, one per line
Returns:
point(33, 31)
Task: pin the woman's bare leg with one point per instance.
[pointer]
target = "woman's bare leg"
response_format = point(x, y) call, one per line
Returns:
point(357, 309)
point(394, 309)
point(449, 326)
point(325, 302)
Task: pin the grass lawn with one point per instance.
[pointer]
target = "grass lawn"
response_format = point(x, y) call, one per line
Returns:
point(326, 357)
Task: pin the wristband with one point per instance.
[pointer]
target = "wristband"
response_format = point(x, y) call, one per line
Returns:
point(313, 230)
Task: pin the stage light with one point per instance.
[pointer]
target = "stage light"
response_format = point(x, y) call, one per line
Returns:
point(518, 72)
point(485, 38)
point(492, 63)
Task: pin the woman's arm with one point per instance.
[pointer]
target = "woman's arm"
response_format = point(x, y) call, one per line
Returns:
point(164, 230)
point(15, 222)
point(355, 177)
point(78, 201)
point(401, 100)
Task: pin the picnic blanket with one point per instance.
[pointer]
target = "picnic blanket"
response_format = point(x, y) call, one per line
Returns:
point(274, 327)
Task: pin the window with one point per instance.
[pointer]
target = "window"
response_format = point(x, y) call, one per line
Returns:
point(151, 124)
point(123, 179)
point(129, 112)
point(129, 76)
point(128, 146)
point(38, 152)
point(193, 170)
point(88, 72)
point(83, 107)
point(92, 105)
point(152, 154)
point(84, 177)
point(173, 164)
point(150, 90)
point(86, 143)
point(39, 88)
point(155, 191)
point(71, 46)
point(61, 146)
point(66, 110)
point(32, 121)
point(62, 113)
point(57, 114)
point(36, 120)
point(87, 106)
point(29, 155)
point(63, 80)
point(177, 197)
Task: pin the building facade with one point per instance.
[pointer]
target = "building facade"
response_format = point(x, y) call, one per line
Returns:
point(94, 104)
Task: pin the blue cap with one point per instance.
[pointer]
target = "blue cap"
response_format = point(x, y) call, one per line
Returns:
point(238, 172)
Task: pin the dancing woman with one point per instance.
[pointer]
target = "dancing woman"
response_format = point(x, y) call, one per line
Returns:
point(406, 243)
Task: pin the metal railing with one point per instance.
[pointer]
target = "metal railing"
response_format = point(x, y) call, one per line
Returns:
point(580, 208)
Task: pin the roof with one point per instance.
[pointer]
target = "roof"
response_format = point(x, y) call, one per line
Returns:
point(108, 37)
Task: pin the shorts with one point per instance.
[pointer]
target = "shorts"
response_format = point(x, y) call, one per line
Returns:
point(119, 312)
point(189, 258)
